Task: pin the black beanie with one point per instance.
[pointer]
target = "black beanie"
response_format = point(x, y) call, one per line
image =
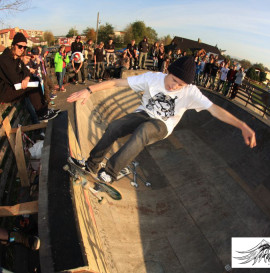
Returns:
point(19, 37)
point(184, 69)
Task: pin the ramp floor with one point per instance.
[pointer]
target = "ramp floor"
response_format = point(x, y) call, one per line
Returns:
point(185, 222)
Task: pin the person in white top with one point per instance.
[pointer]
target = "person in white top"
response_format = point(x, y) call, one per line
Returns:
point(223, 77)
point(240, 75)
point(166, 97)
point(77, 61)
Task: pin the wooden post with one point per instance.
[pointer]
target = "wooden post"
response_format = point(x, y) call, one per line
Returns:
point(10, 137)
point(20, 159)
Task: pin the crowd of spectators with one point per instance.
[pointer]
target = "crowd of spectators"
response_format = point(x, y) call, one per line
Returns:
point(19, 64)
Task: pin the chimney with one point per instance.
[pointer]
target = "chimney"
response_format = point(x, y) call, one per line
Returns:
point(199, 40)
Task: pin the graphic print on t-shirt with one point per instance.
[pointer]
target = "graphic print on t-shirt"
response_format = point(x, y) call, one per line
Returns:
point(162, 105)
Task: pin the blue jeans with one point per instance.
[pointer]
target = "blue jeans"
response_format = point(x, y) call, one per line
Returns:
point(144, 131)
point(60, 77)
point(29, 106)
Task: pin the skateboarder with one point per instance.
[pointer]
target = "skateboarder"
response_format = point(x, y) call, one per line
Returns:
point(166, 98)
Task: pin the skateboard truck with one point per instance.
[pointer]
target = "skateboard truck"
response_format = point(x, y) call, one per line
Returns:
point(93, 191)
point(84, 184)
point(136, 175)
point(72, 174)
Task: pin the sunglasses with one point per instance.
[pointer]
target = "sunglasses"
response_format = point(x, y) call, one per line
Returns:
point(21, 46)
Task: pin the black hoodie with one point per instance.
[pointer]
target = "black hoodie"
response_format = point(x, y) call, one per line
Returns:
point(11, 70)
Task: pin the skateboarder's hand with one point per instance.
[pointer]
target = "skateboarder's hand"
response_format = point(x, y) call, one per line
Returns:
point(249, 136)
point(83, 94)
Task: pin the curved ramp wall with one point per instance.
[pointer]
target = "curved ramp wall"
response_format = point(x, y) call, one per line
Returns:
point(207, 186)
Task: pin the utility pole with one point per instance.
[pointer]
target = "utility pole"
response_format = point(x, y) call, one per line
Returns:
point(97, 28)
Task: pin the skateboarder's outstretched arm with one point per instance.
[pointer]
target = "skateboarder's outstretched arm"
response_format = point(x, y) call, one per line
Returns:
point(84, 94)
point(225, 116)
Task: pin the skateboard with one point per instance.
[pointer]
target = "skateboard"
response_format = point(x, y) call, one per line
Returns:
point(76, 172)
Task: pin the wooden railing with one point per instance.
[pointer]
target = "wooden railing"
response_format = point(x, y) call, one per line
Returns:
point(257, 97)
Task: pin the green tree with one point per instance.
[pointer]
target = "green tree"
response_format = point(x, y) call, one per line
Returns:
point(90, 33)
point(259, 66)
point(48, 37)
point(166, 39)
point(262, 76)
point(128, 34)
point(151, 34)
point(252, 74)
point(105, 33)
point(137, 30)
point(245, 63)
point(72, 32)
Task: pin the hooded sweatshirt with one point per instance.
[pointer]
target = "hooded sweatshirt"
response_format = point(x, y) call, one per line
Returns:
point(12, 70)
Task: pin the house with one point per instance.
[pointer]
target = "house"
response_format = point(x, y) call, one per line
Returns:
point(185, 44)
point(119, 36)
point(7, 35)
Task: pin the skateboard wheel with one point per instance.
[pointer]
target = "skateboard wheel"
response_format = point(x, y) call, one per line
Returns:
point(66, 167)
point(148, 184)
point(133, 184)
point(100, 200)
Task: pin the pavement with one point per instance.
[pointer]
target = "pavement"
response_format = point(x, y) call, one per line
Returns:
point(207, 187)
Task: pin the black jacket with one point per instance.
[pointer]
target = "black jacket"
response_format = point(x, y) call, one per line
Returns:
point(143, 46)
point(11, 70)
point(76, 47)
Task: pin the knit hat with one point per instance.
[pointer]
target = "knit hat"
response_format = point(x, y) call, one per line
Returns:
point(184, 69)
point(18, 37)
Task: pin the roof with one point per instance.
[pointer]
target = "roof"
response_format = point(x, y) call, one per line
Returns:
point(2, 48)
point(2, 31)
point(12, 33)
point(35, 40)
point(185, 44)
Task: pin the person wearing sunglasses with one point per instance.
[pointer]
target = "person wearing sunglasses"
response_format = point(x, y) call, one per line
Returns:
point(13, 71)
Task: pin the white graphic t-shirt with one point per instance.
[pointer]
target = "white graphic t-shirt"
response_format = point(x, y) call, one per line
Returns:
point(223, 73)
point(168, 106)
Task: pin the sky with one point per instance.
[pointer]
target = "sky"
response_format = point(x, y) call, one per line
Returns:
point(239, 27)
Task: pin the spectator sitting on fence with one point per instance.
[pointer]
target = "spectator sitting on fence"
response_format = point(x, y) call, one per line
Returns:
point(13, 71)
point(109, 49)
point(132, 54)
point(239, 77)
point(124, 63)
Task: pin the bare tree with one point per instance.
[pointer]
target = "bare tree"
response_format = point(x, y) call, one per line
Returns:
point(9, 6)
point(14, 5)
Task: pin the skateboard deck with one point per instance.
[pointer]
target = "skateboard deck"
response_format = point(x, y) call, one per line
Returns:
point(77, 171)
